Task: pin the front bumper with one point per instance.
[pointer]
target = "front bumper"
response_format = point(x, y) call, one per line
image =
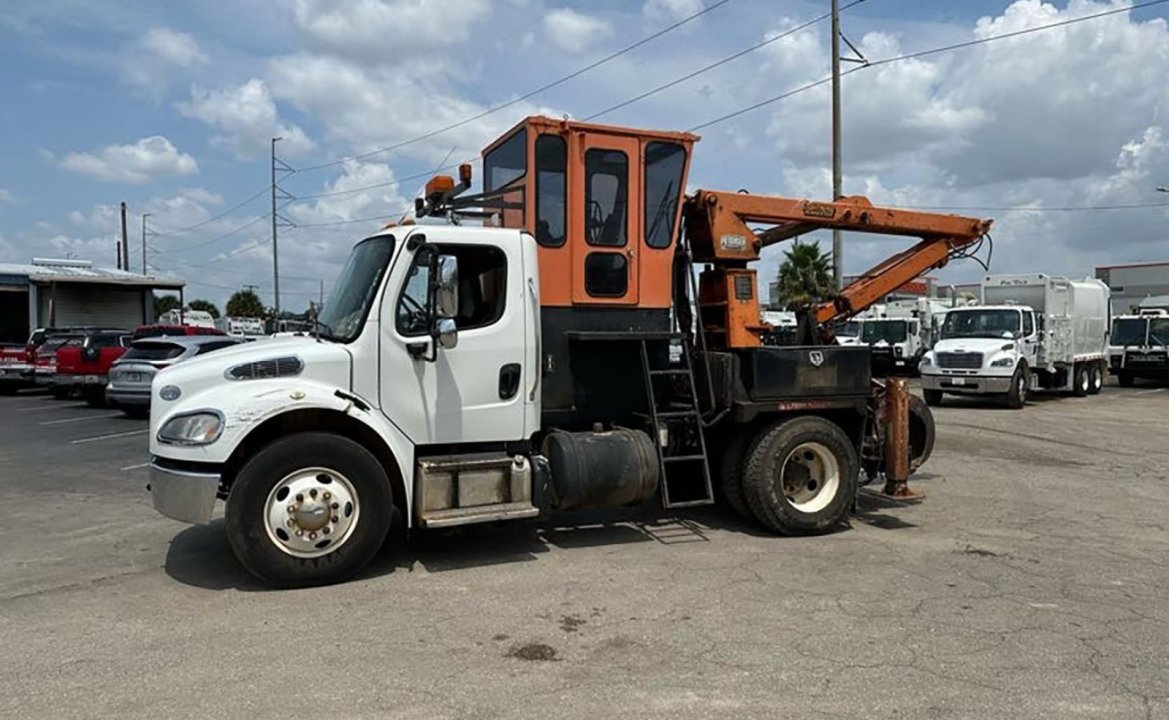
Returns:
point(183, 494)
point(44, 377)
point(975, 384)
point(79, 380)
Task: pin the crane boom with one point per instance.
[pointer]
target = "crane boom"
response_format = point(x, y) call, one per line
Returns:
point(719, 228)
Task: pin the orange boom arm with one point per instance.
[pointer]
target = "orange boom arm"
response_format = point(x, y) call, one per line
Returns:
point(717, 225)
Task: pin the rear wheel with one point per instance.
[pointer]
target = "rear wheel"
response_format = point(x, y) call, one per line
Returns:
point(921, 433)
point(58, 392)
point(138, 413)
point(1125, 379)
point(1095, 379)
point(933, 398)
point(309, 509)
point(1080, 381)
point(94, 397)
point(800, 476)
point(1017, 395)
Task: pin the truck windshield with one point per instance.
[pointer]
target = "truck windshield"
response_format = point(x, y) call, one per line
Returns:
point(1159, 331)
point(980, 324)
point(348, 304)
point(891, 331)
point(1128, 331)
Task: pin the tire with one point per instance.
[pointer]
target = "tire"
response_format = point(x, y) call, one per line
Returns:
point(1125, 379)
point(1017, 395)
point(1080, 381)
point(922, 432)
point(136, 412)
point(829, 461)
point(933, 398)
point(730, 471)
point(1095, 379)
point(59, 393)
point(298, 465)
point(94, 398)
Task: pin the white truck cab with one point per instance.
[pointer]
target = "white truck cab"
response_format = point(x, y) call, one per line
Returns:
point(1138, 346)
point(1044, 333)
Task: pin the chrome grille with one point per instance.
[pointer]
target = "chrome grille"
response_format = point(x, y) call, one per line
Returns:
point(960, 361)
point(271, 368)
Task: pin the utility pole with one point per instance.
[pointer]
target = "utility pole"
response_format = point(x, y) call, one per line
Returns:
point(144, 216)
point(837, 244)
point(275, 252)
point(123, 264)
point(321, 302)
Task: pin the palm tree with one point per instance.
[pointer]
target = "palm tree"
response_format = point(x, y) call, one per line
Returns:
point(805, 276)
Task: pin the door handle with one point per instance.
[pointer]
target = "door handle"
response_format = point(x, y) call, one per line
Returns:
point(509, 381)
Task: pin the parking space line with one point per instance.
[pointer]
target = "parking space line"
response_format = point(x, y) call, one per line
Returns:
point(79, 419)
point(134, 467)
point(54, 406)
point(110, 436)
point(1149, 392)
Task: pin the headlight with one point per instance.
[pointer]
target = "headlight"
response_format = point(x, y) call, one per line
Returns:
point(926, 360)
point(1003, 362)
point(197, 428)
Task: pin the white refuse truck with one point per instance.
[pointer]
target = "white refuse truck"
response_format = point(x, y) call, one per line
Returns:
point(899, 332)
point(1030, 332)
point(1138, 347)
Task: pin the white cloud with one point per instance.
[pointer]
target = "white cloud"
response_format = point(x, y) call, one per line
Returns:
point(175, 47)
point(149, 158)
point(150, 62)
point(386, 31)
point(247, 117)
point(659, 12)
point(575, 32)
point(7, 198)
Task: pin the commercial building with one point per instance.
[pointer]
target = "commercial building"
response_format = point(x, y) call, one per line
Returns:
point(71, 293)
point(1130, 284)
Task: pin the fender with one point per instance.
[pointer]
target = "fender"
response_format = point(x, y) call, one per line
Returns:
point(250, 406)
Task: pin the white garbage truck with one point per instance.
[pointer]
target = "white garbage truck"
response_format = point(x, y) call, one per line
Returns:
point(1138, 347)
point(1030, 332)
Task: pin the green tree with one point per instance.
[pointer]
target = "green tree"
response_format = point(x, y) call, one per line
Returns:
point(204, 305)
point(805, 276)
point(164, 304)
point(245, 303)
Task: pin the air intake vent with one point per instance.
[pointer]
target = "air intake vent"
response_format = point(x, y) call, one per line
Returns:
point(261, 369)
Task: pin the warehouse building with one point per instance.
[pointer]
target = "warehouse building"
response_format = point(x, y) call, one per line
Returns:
point(1130, 284)
point(74, 293)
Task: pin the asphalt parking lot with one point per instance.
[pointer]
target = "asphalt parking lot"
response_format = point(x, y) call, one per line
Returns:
point(1032, 582)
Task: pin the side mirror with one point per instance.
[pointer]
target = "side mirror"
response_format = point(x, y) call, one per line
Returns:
point(446, 287)
point(446, 333)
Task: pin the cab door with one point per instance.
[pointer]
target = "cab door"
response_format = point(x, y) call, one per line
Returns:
point(605, 231)
point(475, 391)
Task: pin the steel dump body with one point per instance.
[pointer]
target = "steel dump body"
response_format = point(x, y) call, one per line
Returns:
point(1073, 314)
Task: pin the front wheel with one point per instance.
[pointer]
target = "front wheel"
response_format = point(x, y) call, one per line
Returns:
point(1095, 379)
point(309, 509)
point(1017, 395)
point(1125, 379)
point(800, 476)
point(933, 398)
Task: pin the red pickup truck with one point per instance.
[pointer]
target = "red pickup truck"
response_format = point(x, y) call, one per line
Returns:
point(84, 367)
point(15, 371)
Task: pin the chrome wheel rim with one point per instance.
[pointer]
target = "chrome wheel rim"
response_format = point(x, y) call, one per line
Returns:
point(810, 477)
point(311, 512)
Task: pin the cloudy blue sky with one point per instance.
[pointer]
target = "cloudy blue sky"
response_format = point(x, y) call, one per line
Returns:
point(170, 107)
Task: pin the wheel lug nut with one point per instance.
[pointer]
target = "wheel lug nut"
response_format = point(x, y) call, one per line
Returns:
point(300, 533)
point(325, 530)
point(334, 505)
point(313, 492)
point(326, 495)
point(291, 508)
point(312, 536)
point(291, 522)
point(335, 518)
point(299, 497)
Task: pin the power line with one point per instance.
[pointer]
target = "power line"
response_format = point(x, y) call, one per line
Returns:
point(720, 63)
point(213, 218)
point(217, 238)
point(531, 93)
point(923, 53)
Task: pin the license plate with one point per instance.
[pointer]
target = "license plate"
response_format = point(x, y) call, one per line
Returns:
point(958, 381)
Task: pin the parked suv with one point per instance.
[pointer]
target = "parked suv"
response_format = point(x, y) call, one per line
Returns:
point(85, 368)
point(131, 375)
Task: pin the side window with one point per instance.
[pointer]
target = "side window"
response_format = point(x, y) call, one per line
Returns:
point(664, 164)
point(1028, 324)
point(505, 164)
point(551, 163)
point(482, 289)
point(606, 274)
point(606, 197)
